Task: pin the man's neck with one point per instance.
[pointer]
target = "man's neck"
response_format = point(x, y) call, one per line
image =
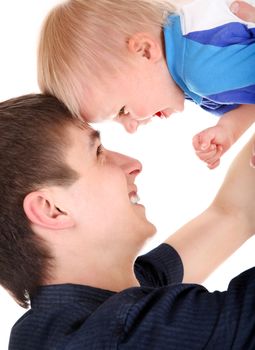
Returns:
point(105, 271)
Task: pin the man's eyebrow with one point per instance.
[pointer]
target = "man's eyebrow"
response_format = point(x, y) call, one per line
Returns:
point(94, 136)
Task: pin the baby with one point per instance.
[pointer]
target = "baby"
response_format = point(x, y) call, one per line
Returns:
point(130, 60)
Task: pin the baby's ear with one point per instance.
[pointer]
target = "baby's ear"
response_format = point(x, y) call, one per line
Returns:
point(41, 210)
point(146, 45)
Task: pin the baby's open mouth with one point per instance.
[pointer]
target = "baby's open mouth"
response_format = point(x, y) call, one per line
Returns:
point(160, 114)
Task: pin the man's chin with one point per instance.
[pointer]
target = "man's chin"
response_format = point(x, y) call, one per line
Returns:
point(150, 229)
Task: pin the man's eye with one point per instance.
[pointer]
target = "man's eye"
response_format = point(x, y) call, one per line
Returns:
point(99, 150)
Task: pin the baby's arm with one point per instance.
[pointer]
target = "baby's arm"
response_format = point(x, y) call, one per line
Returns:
point(212, 155)
point(212, 143)
point(206, 241)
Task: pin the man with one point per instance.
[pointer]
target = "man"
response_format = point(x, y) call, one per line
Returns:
point(72, 228)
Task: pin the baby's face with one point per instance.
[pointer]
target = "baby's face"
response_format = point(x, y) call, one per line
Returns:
point(134, 96)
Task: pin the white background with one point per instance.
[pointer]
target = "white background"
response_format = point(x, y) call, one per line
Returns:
point(175, 186)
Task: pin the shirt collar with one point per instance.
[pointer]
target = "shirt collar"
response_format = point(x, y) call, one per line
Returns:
point(58, 294)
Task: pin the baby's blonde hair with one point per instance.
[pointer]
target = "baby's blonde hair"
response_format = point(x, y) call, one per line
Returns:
point(81, 39)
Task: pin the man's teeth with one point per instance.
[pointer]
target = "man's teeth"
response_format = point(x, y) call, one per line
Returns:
point(134, 199)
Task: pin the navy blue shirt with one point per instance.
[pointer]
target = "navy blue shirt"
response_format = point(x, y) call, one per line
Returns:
point(162, 314)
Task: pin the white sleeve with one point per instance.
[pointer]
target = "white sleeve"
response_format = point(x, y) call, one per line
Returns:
point(207, 14)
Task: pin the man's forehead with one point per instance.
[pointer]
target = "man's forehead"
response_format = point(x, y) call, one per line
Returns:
point(84, 134)
point(84, 141)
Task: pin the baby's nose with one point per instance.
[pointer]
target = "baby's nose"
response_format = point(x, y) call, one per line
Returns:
point(129, 124)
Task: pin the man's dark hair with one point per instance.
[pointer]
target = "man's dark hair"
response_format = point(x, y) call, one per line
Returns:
point(33, 139)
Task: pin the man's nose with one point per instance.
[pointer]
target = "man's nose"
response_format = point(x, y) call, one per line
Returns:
point(130, 166)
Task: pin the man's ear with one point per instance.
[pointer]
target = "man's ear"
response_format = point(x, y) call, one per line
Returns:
point(40, 208)
point(146, 45)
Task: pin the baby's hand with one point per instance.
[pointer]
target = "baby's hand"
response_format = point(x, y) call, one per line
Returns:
point(211, 143)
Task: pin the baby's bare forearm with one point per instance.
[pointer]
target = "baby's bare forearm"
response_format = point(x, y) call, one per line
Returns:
point(236, 122)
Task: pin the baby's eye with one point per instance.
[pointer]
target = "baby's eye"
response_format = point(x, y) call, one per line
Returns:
point(123, 111)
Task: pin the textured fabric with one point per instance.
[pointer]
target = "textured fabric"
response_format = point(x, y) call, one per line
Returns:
point(162, 315)
point(211, 55)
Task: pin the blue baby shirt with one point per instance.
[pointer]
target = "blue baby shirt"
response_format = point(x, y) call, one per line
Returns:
point(211, 55)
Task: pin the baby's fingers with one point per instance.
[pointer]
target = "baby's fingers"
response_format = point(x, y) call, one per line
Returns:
point(212, 158)
point(214, 165)
point(203, 140)
point(196, 143)
point(208, 154)
point(214, 161)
